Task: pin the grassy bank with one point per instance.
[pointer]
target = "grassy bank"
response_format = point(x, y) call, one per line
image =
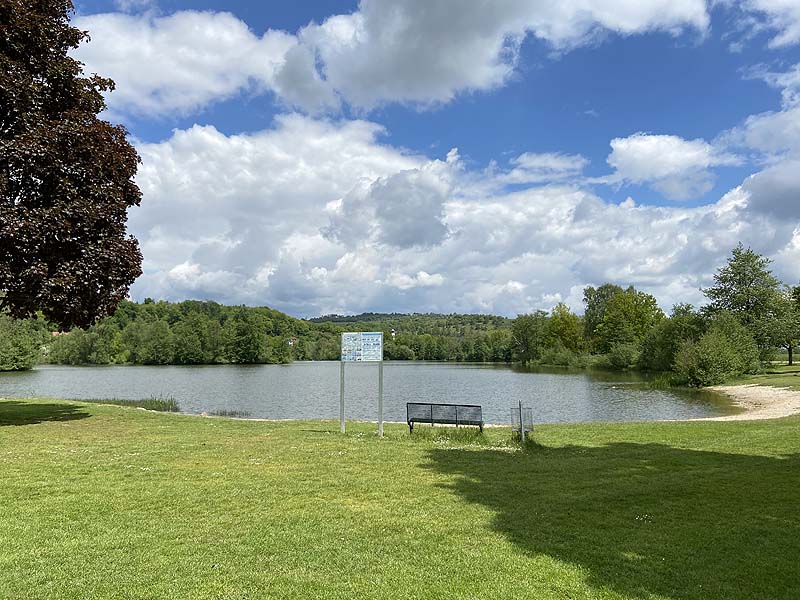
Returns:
point(107, 502)
point(776, 375)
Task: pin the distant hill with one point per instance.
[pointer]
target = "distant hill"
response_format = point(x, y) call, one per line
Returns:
point(202, 332)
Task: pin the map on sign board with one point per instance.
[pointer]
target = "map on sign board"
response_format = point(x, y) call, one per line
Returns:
point(362, 346)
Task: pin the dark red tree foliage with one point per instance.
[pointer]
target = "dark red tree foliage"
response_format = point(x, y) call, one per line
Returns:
point(66, 176)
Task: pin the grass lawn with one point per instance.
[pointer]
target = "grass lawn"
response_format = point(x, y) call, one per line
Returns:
point(777, 375)
point(106, 502)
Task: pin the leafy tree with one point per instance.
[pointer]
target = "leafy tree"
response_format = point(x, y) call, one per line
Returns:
point(596, 301)
point(529, 336)
point(19, 344)
point(156, 344)
point(663, 341)
point(787, 322)
point(565, 328)
point(95, 346)
point(627, 319)
point(188, 342)
point(744, 287)
point(747, 289)
point(66, 176)
point(244, 339)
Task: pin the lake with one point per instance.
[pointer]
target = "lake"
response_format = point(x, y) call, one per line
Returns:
point(310, 390)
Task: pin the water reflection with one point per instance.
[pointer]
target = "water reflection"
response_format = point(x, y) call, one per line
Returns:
point(310, 390)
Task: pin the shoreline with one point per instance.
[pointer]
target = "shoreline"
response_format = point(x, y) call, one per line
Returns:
point(757, 402)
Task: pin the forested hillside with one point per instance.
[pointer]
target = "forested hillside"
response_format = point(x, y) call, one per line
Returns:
point(194, 332)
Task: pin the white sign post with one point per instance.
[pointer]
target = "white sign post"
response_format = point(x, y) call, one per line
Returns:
point(362, 346)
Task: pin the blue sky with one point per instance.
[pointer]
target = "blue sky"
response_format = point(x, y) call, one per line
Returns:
point(329, 129)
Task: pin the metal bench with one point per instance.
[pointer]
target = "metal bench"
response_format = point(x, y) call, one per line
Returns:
point(444, 414)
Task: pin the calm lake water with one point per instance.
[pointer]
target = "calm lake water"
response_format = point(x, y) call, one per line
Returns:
point(310, 390)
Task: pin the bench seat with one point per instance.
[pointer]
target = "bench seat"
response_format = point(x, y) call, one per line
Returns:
point(444, 414)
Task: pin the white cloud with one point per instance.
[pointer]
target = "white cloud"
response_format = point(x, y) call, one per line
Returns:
point(248, 205)
point(180, 63)
point(402, 210)
point(787, 81)
point(134, 5)
point(414, 51)
point(776, 190)
point(771, 133)
point(677, 168)
point(425, 52)
point(782, 17)
point(421, 279)
point(241, 219)
point(545, 167)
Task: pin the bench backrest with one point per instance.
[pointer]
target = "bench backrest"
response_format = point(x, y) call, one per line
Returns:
point(419, 411)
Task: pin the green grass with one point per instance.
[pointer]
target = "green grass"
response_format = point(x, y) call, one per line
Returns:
point(99, 501)
point(776, 376)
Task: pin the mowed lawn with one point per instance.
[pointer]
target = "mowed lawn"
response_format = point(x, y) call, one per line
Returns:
point(106, 502)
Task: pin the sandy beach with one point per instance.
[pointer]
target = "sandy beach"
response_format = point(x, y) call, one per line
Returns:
point(759, 402)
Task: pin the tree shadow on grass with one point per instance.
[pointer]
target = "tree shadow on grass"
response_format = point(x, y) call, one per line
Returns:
point(18, 412)
point(645, 519)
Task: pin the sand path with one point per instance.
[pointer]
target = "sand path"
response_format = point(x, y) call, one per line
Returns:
point(759, 402)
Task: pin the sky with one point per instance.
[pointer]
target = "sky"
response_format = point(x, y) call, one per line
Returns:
point(452, 155)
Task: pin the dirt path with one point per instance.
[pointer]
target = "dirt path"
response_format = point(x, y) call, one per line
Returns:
point(759, 402)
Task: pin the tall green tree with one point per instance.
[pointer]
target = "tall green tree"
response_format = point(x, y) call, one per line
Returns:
point(245, 342)
point(595, 301)
point(627, 319)
point(529, 336)
point(66, 176)
point(565, 328)
point(746, 288)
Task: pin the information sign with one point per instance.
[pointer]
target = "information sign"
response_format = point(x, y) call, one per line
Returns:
point(362, 346)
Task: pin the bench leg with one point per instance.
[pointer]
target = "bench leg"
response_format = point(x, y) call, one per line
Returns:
point(410, 427)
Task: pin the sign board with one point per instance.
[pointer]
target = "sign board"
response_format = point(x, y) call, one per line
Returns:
point(363, 346)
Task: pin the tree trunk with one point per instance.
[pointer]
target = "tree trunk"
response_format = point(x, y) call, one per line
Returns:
point(790, 348)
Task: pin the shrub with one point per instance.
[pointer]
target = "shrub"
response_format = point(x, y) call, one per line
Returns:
point(558, 356)
point(725, 351)
point(19, 345)
point(623, 356)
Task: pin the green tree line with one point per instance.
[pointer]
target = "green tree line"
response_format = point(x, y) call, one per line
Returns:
point(749, 317)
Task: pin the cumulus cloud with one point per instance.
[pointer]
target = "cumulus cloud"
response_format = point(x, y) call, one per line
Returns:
point(425, 52)
point(414, 51)
point(313, 217)
point(677, 168)
point(247, 205)
point(776, 190)
point(182, 62)
point(402, 210)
